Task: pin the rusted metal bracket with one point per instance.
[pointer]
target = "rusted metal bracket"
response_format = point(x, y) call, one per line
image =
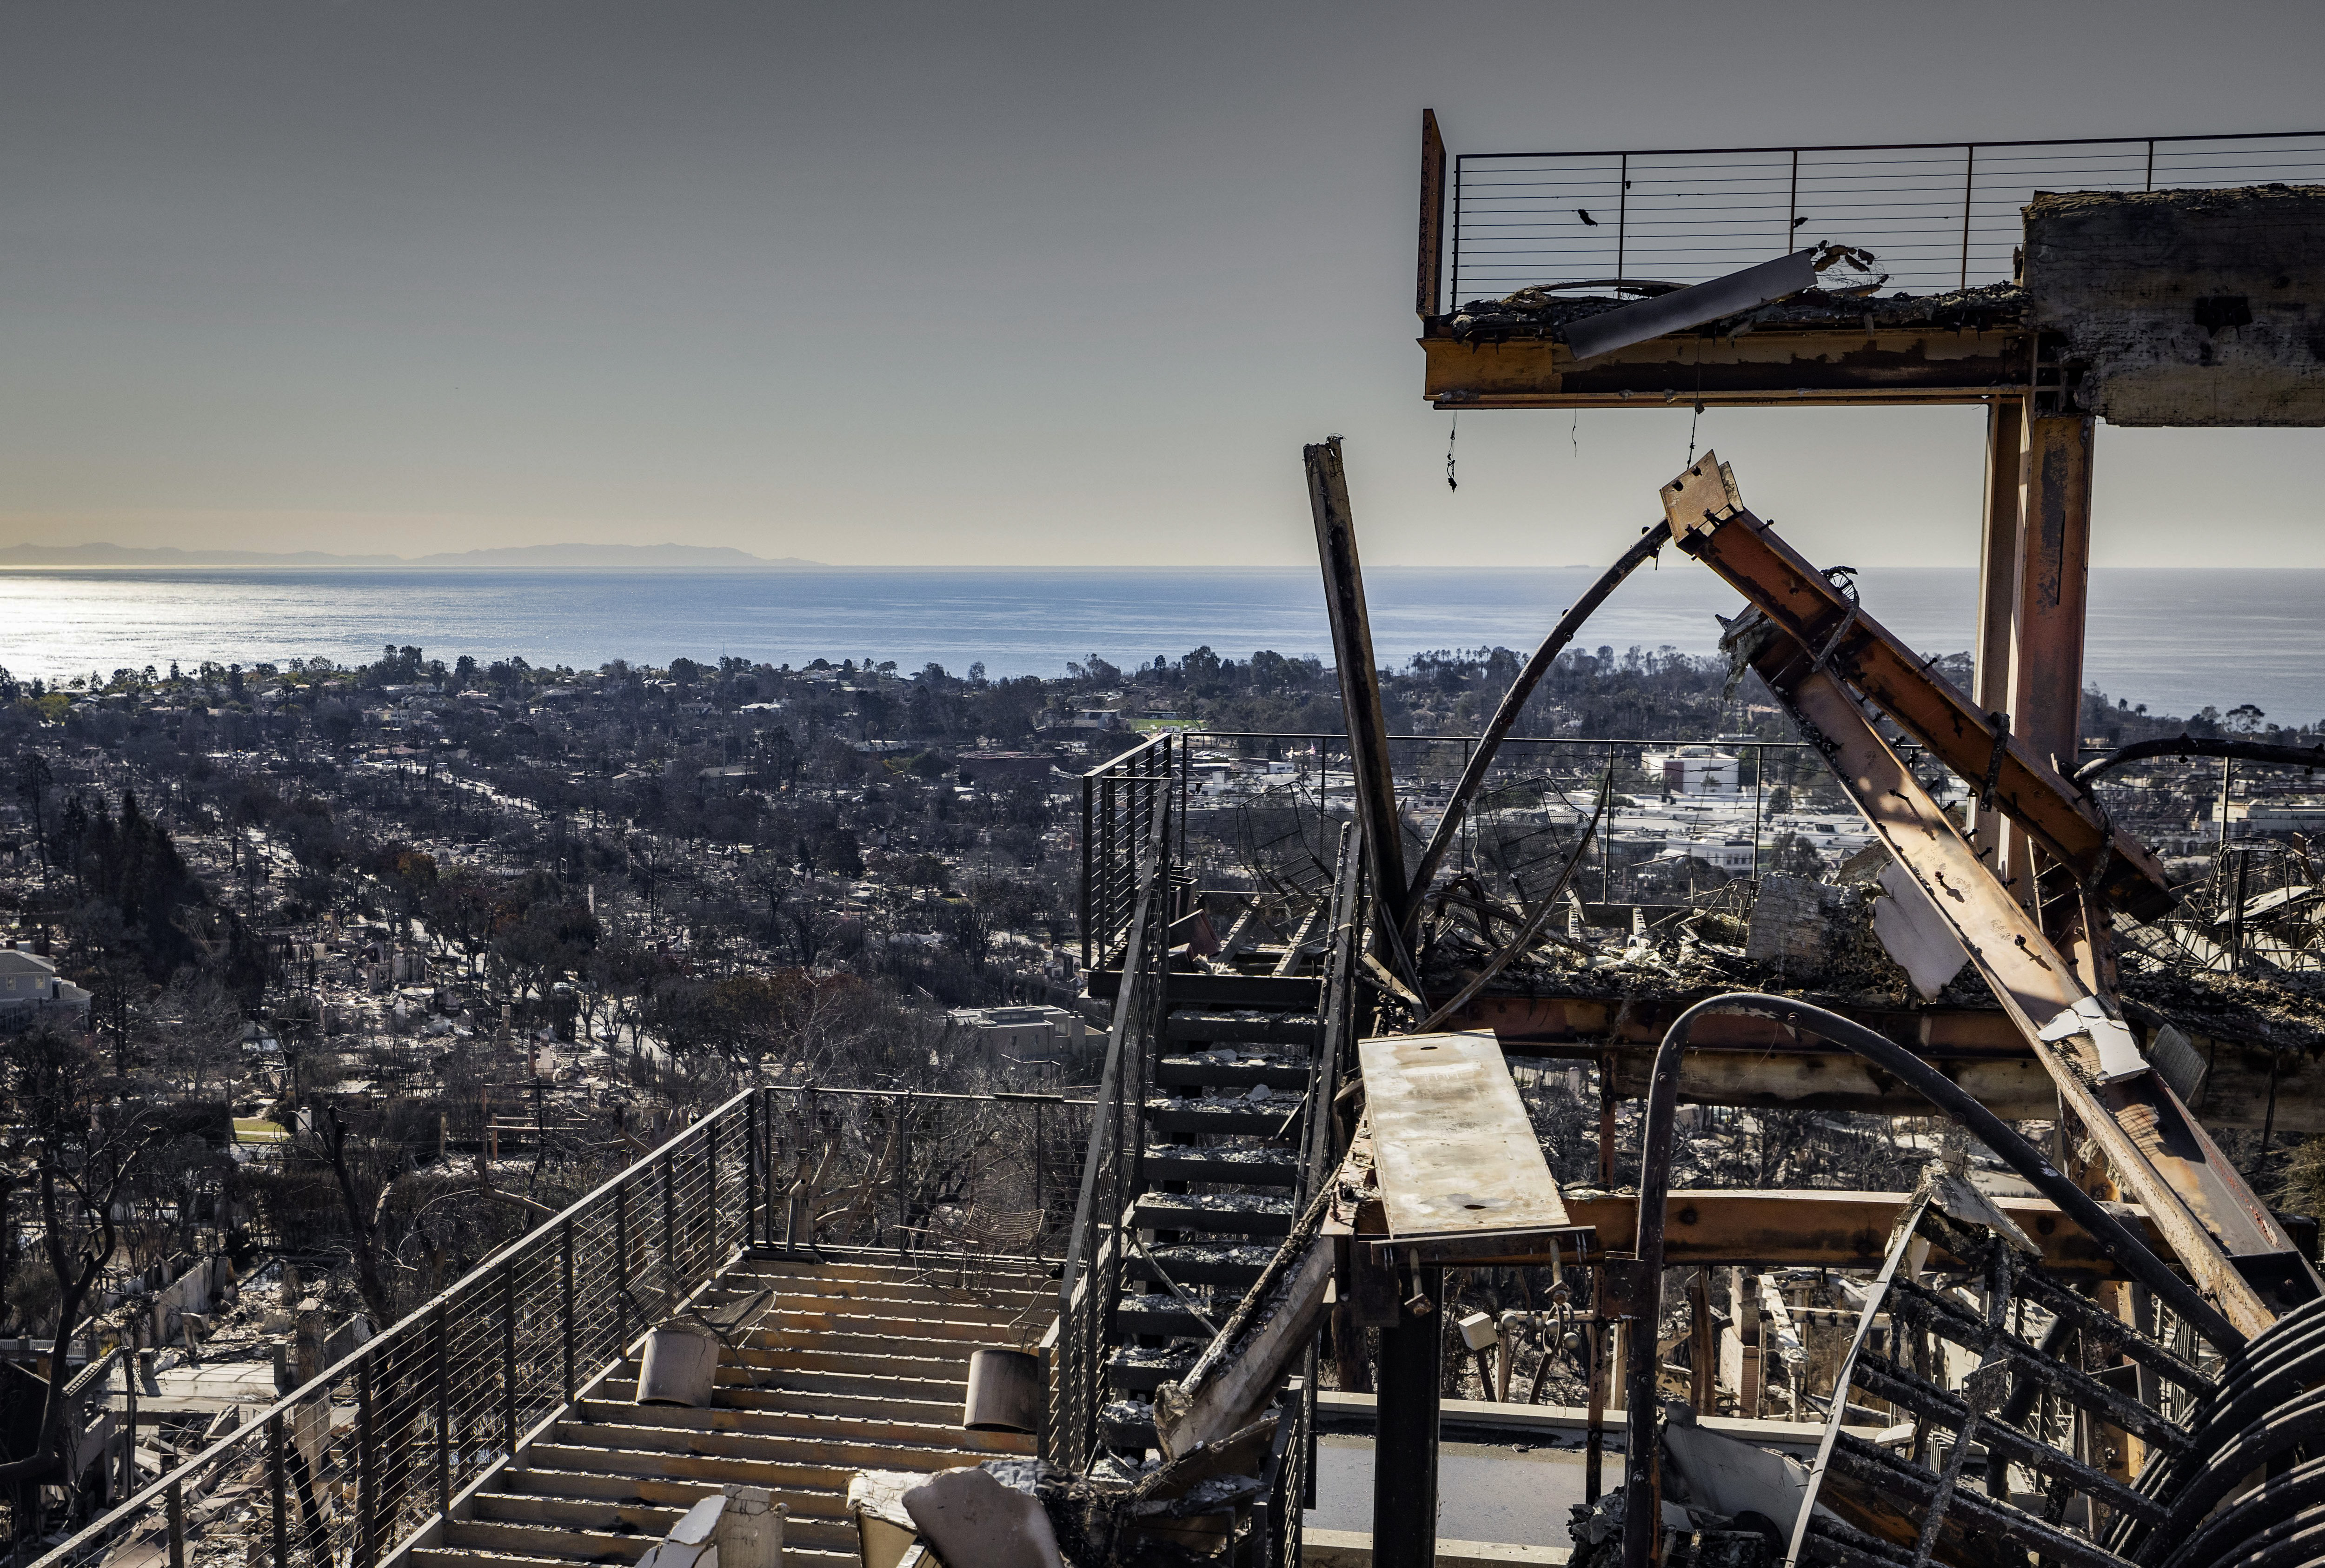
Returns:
point(1708, 521)
point(2195, 1198)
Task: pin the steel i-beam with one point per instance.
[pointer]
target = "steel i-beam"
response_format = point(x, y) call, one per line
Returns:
point(2196, 1200)
point(1709, 522)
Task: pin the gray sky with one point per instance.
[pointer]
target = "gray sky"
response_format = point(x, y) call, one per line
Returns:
point(1001, 284)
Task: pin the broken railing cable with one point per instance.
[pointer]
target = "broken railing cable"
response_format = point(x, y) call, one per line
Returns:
point(2187, 745)
point(1650, 541)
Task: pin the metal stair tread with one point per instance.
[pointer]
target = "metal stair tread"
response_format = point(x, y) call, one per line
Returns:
point(1200, 1068)
point(1194, 1021)
point(1256, 1164)
point(1251, 1213)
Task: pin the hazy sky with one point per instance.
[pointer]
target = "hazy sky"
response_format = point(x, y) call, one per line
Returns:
point(963, 283)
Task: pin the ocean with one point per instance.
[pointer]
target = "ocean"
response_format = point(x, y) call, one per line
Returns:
point(2174, 640)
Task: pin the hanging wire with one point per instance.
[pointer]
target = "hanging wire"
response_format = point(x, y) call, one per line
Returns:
point(1452, 483)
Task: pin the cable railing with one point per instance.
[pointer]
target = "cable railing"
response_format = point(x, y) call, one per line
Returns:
point(1934, 216)
point(1120, 800)
point(1091, 1278)
point(370, 1455)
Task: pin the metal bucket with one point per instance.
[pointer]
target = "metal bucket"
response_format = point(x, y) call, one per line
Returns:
point(681, 1366)
point(1004, 1392)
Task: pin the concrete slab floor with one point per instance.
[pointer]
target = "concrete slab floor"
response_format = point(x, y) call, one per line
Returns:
point(1517, 1493)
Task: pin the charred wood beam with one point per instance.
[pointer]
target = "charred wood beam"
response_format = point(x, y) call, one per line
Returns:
point(1918, 1303)
point(1900, 1386)
point(1877, 1467)
point(1514, 701)
point(2109, 1332)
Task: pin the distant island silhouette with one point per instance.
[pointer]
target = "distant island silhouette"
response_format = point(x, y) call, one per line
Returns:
point(634, 557)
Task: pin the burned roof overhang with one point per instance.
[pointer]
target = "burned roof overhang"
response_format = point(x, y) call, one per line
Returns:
point(1816, 347)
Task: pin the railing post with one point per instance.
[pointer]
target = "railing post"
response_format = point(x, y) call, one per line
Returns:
point(1969, 179)
point(622, 1262)
point(508, 1358)
point(276, 1468)
point(366, 1551)
point(904, 1138)
point(177, 1524)
point(1622, 212)
point(565, 1261)
point(669, 1231)
point(1086, 872)
point(754, 1207)
point(441, 1351)
point(710, 1185)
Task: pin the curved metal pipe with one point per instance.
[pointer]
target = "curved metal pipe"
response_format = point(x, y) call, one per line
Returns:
point(2115, 1239)
point(1513, 703)
point(2199, 746)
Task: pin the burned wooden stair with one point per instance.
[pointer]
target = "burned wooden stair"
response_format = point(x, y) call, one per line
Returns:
point(857, 1365)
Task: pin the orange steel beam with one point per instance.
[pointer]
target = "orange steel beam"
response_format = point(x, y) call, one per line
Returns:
point(2046, 624)
point(1709, 522)
point(1997, 578)
point(2202, 1206)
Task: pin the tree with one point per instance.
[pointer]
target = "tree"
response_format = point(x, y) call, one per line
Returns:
point(75, 1141)
point(34, 778)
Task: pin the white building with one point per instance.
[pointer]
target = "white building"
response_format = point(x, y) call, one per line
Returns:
point(30, 992)
point(1024, 1034)
point(1695, 771)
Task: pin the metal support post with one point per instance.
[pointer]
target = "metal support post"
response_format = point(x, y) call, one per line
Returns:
point(669, 1231)
point(366, 1468)
point(177, 1524)
point(508, 1359)
point(1405, 1433)
point(565, 1303)
point(1998, 582)
point(442, 1353)
point(622, 1263)
point(2054, 548)
point(1360, 696)
point(277, 1469)
point(904, 1136)
point(710, 1185)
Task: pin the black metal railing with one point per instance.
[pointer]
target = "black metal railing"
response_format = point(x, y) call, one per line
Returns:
point(1291, 1477)
point(370, 1454)
point(1091, 1280)
point(1935, 215)
point(1121, 801)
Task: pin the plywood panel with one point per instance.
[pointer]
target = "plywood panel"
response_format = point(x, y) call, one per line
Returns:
point(1455, 1152)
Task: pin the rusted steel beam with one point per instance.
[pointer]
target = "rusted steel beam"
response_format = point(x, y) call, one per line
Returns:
point(1360, 694)
point(2046, 628)
point(2155, 1149)
point(1709, 521)
point(1751, 1062)
point(1819, 1228)
point(1998, 574)
point(1769, 366)
point(1506, 713)
point(1428, 281)
point(2054, 548)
